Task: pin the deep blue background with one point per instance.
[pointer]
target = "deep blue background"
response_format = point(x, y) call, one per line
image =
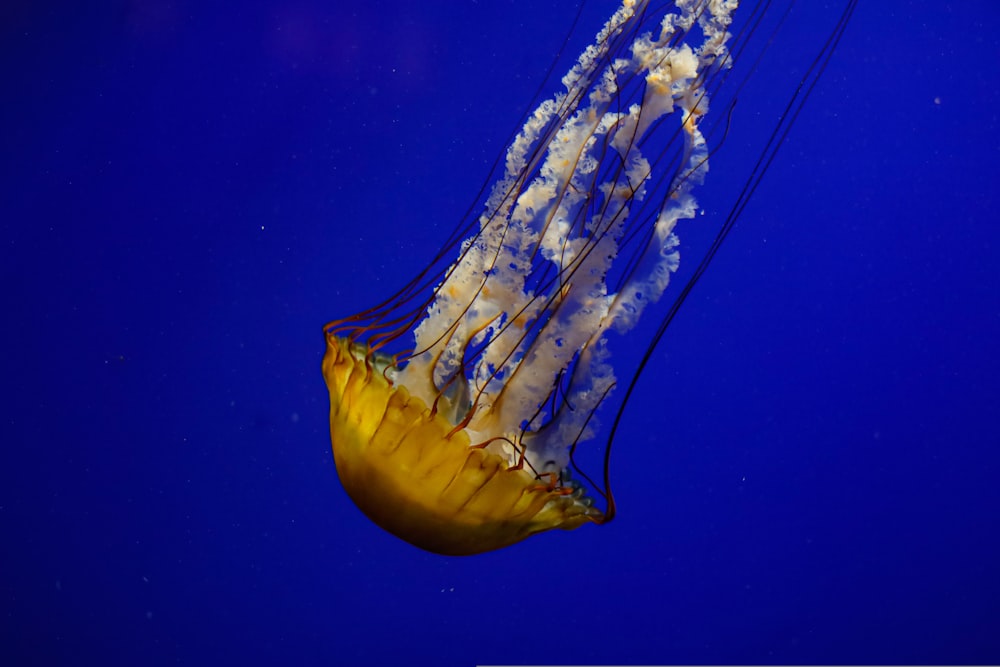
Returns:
point(190, 190)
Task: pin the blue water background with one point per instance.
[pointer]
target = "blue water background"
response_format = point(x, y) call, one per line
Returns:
point(808, 471)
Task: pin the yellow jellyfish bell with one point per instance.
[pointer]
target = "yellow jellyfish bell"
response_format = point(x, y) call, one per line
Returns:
point(419, 477)
point(462, 441)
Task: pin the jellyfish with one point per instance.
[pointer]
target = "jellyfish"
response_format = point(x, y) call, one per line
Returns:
point(457, 406)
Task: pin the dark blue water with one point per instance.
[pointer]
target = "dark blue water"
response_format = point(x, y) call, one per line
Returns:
point(807, 472)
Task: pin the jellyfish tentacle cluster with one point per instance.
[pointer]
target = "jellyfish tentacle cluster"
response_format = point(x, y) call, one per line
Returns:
point(461, 443)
